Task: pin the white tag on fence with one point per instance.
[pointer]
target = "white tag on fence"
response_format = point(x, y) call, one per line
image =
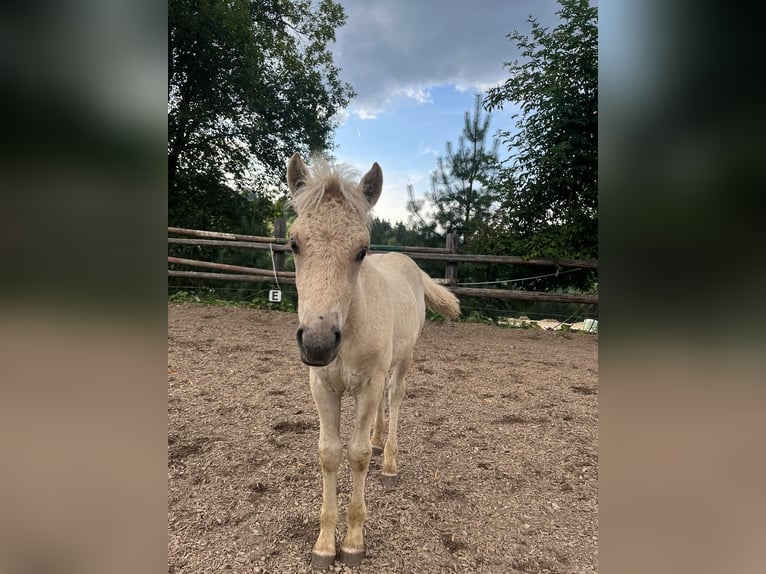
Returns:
point(275, 296)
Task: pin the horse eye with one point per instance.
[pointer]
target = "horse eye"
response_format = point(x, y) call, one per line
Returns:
point(362, 254)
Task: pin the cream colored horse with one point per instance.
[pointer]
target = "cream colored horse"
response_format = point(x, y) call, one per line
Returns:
point(360, 316)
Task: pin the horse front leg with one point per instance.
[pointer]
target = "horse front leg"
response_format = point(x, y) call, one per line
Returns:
point(330, 446)
point(359, 454)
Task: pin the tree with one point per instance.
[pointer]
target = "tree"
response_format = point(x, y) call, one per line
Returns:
point(549, 205)
point(461, 185)
point(249, 83)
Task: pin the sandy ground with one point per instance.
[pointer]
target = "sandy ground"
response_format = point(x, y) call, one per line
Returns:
point(498, 451)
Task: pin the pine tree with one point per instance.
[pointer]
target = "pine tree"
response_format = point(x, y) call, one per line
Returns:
point(461, 189)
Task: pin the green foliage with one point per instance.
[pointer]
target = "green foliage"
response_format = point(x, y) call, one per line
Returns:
point(475, 316)
point(383, 232)
point(184, 297)
point(257, 297)
point(249, 83)
point(549, 204)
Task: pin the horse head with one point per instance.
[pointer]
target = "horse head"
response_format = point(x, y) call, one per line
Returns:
point(329, 239)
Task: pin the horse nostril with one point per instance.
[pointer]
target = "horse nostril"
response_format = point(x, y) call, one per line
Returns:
point(336, 331)
point(299, 335)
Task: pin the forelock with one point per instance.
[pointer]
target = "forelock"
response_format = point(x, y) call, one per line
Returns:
point(332, 182)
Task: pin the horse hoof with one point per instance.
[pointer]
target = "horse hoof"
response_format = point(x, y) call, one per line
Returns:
point(351, 558)
point(377, 451)
point(389, 480)
point(321, 561)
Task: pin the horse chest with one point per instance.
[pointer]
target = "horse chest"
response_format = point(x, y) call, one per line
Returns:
point(340, 379)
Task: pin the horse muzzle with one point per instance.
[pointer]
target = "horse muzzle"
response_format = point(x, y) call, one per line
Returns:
point(318, 342)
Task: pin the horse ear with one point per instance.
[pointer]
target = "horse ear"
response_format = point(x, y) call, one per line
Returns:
point(372, 184)
point(297, 173)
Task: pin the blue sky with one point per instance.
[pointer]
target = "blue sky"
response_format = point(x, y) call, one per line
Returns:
point(416, 67)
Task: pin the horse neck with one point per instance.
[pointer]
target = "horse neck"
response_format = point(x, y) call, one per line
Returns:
point(366, 290)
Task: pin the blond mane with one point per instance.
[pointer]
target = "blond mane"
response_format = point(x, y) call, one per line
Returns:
point(332, 180)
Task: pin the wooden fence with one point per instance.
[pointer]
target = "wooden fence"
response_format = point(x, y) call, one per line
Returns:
point(449, 254)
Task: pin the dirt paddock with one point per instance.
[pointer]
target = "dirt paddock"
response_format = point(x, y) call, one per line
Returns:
point(498, 444)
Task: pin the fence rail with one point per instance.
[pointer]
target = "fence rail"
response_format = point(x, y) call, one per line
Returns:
point(448, 254)
point(224, 243)
point(235, 268)
point(221, 235)
point(526, 295)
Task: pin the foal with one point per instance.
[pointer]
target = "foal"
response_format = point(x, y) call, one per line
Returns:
point(360, 316)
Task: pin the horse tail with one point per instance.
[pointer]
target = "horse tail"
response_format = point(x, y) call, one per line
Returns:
point(439, 298)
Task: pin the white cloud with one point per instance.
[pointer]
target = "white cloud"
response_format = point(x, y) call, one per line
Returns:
point(477, 86)
point(420, 95)
point(366, 113)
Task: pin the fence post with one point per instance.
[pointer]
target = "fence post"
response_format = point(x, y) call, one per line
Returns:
point(450, 269)
point(280, 231)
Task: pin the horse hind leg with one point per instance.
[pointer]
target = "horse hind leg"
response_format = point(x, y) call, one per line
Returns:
point(397, 389)
point(380, 425)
